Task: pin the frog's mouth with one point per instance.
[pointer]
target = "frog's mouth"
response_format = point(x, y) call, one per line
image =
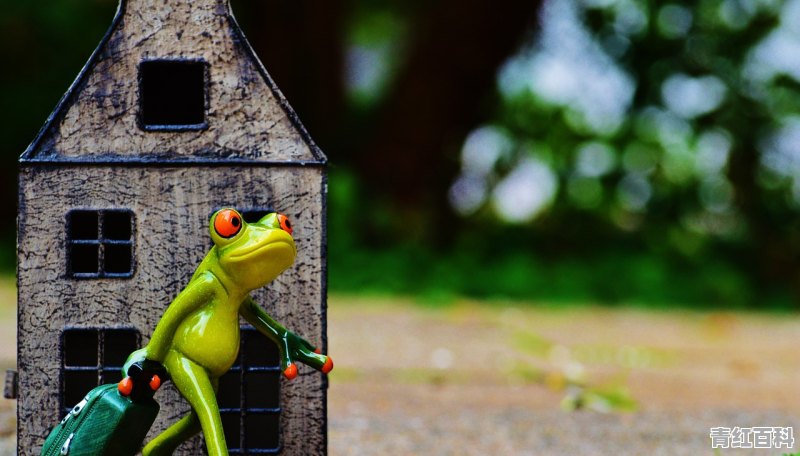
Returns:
point(264, 248)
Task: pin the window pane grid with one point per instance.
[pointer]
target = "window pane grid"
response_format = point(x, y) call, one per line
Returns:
point(255, 369)
point(253, 410)
point(250, 426)
point(108, 352)
point(100, 241)
point(80, 368)
point(100, 244)
point(93, 356)
point(117, 275)
point(255, 451)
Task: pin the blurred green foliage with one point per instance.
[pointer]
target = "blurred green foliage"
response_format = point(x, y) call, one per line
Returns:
point(498, 262)
point(638, 152)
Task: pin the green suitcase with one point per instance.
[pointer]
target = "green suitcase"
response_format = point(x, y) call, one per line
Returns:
point(106, 422)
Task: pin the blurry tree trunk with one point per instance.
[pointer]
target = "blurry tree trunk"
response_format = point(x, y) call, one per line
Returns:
point(774, 241)
point(409, 156)
point(302, 46)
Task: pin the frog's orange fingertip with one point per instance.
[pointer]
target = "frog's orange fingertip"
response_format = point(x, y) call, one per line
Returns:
point(228, 223)
point(125, 387)
point(328, 366)
point(290, 372)
point(286, 225)
point(155, 383)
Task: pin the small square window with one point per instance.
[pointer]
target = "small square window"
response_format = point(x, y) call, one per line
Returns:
point(261, 389)
point(117, 225)
point(263, 430)
point(117, 258)
point(230, 426)
point(117, 346)
point(82, 225)
point(229, 395)
point(80, 348)
point(260, 350)
point(84, 258)
point(100, 243)
point(76, 385)
point(90, 357)
point(172, 95)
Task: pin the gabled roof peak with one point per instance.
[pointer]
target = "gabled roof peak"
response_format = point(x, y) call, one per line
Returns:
point(244, 117)
point(178, 11)
point(143, 6)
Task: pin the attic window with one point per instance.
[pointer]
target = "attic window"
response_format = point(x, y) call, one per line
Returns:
point(100, 243)
point(91, 357)
point(172, 95)
point(249, 397)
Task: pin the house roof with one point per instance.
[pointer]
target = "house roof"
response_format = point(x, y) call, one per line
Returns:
point(247, 119)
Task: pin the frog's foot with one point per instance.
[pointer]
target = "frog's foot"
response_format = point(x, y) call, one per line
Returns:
point(295, 348)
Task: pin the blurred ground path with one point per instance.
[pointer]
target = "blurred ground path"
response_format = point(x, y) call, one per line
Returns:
point(489, 379)
point(8, 360)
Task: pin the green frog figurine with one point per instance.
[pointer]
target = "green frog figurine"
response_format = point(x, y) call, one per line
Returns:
point(197, 338)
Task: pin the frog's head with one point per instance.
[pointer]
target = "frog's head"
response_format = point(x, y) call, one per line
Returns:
point(252, 254)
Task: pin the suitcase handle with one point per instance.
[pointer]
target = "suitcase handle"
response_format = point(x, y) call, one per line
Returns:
point(143, 379)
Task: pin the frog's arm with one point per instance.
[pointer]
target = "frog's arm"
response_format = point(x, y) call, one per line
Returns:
point(292, 347)
point(200, 290)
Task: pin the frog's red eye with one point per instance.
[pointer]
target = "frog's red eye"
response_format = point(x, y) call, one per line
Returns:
point(228, 223)
point(286, 225)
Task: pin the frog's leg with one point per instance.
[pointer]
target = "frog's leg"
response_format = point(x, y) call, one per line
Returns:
point(199, 389)
point(168, 441)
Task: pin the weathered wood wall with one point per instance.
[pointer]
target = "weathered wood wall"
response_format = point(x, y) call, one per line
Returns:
point(171, 206)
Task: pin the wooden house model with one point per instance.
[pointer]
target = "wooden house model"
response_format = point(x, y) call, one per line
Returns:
point(172, 118)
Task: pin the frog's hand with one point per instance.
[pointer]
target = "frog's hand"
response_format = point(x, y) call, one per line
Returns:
point(299, 349)
point(136, 357)
point(291, 346)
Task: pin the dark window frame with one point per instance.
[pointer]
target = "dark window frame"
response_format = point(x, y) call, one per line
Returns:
point(240, 370)
point(101, 369)
point(173, 127)
point(101, 241)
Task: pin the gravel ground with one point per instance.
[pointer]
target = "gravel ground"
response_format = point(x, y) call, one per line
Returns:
point(473, 379)
point(476, 378)
point(8, 356)
point(521, 431)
